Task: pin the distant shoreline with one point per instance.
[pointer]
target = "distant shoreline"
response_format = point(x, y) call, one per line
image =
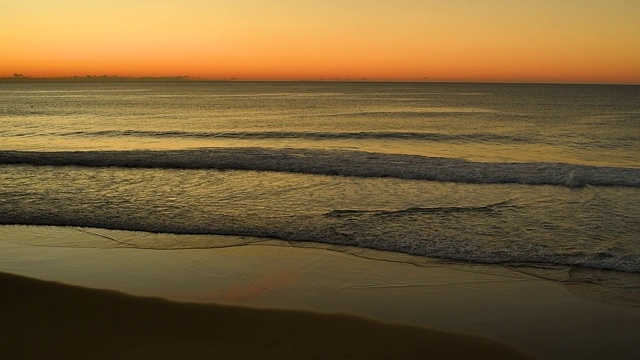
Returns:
point(89, 78)
point(116, 78)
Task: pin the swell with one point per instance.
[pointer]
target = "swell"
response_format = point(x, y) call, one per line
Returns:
point(338, 162)
point(434, 112)
point(358, 135)
point(420, 210)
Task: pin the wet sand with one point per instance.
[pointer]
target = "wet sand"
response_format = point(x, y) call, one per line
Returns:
point(284, 303)
point(46, 320)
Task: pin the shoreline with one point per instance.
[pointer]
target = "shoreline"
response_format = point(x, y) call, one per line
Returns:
point(539, 316)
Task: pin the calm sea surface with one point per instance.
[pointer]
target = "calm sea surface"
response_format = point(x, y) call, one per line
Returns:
point(541, 175)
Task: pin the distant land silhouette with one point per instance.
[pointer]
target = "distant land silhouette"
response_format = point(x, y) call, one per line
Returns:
point(92, 78)
point(20, 78)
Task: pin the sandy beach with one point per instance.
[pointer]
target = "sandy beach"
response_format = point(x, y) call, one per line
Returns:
point(269, 300)
point(56, 321)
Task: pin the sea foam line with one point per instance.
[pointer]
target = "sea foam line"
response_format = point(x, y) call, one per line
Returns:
point(339, 162)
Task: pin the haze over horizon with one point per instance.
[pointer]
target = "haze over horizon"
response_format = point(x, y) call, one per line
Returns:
point(590, 41)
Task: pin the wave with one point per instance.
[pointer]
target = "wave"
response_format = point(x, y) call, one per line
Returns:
point(359, 135)
point(339, 162)
point(420, 210)
point(428, 112)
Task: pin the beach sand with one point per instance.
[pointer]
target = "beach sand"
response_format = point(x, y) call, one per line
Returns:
point(45, 320)
point(269, 300)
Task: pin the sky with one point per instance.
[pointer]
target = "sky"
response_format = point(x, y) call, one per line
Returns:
point(566, 41)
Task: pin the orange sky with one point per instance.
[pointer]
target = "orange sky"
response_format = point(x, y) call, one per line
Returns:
point(592, 41)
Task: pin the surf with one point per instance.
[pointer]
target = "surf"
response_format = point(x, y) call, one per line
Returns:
point(339, 163)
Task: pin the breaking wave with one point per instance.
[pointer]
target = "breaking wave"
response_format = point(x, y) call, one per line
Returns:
point(339, 162)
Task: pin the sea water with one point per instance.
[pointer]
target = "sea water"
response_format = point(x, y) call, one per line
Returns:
point(527, 175)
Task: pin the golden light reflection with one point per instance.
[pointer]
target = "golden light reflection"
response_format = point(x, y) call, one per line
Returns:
point(247, 290)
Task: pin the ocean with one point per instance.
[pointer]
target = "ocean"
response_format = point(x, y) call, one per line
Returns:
point(524, 175)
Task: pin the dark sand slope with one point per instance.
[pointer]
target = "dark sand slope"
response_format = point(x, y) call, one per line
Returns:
point(46, 320)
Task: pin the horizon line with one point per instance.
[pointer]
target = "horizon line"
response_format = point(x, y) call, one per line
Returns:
point(187, 78)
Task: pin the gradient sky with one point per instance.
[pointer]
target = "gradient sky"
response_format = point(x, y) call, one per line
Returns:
point(593, 41)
